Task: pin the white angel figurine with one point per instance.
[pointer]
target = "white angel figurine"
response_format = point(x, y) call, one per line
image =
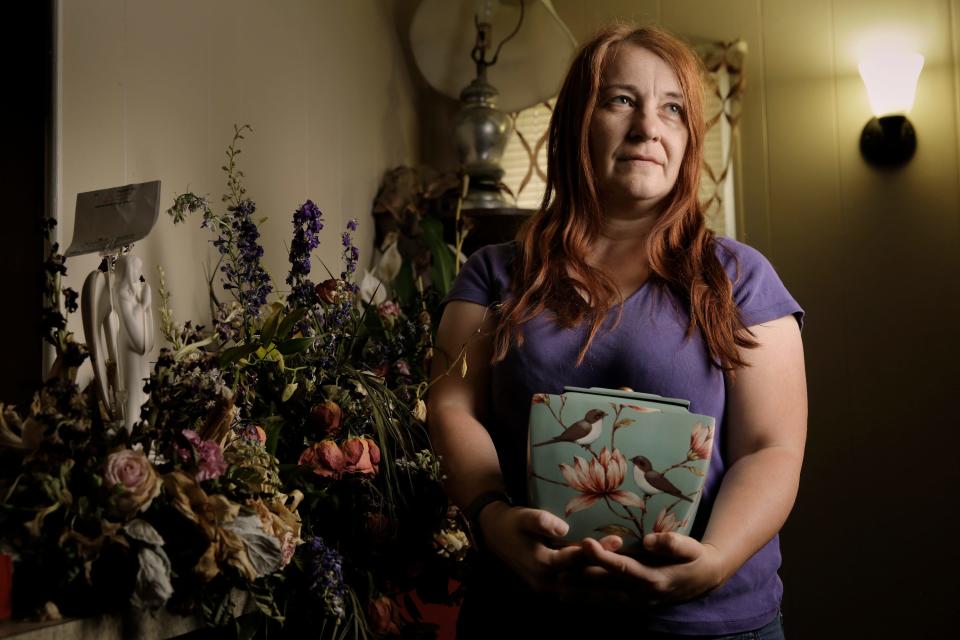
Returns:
point(137, 333)
point(100, 329)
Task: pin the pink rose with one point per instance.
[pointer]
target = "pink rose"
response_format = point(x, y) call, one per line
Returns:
point(132, 481)
point(327, 418)
point(288, 546)
point(402, 367)
point(325, 457)
point(388, 310)
point(374, 453)
point(384, 617)
point(360, 456)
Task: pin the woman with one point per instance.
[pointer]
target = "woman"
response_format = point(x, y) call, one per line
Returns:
point(616, 282)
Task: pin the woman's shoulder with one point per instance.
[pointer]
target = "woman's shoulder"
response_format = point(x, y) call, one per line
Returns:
point(485, 276)
point(757, 287)
point(733, 253)
point(495, 254)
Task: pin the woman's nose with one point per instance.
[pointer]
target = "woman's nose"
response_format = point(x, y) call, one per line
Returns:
point(645, 124)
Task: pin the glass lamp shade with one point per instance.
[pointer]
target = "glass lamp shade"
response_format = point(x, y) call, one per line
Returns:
point(891, 81)
point(889, 140)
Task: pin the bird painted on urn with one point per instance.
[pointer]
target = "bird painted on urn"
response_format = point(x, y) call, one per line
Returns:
point(653, 482)
point(582, 432)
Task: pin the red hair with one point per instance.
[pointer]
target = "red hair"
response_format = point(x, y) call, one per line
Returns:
point(551, 271)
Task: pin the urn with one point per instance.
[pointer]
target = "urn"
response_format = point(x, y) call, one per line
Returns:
point(617, 462)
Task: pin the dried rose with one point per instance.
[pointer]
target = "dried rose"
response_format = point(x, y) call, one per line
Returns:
point(420, 410)
point(132, 479)
point(325, 457)
point(402, 367)
point(327, 291)
point(362, 456)
point(388, 310)
point(374, 453)
point(384, 617)
point(327, 418)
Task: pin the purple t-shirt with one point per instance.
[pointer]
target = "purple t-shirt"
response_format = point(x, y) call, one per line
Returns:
point(648, 352)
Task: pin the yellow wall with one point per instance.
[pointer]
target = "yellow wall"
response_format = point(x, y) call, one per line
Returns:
point(874, 257)
point(151, 90)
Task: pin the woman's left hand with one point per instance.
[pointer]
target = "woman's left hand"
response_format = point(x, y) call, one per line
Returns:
point(675, 568)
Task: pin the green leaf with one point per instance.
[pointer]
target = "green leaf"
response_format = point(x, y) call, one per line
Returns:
point(444, 263)
point(234, 354)
point(623, 422)
point(403, 285)
point(295, 345)
point(270, 328)
point(287, 325)
point(288, 391)
point(272, 427)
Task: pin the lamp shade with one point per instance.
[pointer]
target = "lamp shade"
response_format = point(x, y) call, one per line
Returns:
point(891, 81)
point(530, 68)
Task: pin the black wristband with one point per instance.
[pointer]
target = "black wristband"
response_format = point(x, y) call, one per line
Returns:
point(477, 505)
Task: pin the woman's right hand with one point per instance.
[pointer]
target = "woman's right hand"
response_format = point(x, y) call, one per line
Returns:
point(518, 536)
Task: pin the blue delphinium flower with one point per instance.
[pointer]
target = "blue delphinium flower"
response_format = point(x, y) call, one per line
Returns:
point(243, 273)
point(351, 254)
point(307, 224)
point(327, 573)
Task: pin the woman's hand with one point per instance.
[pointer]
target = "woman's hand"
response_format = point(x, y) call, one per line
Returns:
point(674, 568)
point(517, 535)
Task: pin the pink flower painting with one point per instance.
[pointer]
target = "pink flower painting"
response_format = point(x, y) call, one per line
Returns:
point(701, 442)
point(599, 479)
point(667, 522)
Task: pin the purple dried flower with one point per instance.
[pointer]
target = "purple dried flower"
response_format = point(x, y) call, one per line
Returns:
point(244, 273)
point(327, 583)
point(307, 224)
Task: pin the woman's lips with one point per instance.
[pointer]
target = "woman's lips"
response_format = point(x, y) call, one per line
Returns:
point(639, 160)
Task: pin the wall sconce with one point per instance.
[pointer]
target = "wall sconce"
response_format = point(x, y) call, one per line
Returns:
point(888, 139)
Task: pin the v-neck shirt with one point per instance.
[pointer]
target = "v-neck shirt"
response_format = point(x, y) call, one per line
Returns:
point(647, 350)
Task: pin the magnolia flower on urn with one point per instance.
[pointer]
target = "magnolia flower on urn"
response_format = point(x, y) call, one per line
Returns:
point(599, 479)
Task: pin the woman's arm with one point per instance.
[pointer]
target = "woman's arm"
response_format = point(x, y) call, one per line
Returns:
point(456, 406)
point(766, 425)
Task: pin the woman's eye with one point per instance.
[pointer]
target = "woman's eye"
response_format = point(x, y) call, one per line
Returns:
point(675, 109)
point(627, 100)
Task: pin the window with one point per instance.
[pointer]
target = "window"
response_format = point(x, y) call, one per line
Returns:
point(525, 159)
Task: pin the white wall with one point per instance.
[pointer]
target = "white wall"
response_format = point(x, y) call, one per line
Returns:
point(151, 90)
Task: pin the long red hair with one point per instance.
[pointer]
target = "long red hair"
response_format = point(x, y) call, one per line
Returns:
point(551, 271)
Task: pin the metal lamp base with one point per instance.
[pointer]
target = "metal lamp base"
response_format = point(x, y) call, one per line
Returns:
point(481, 133)
point(889, 141)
